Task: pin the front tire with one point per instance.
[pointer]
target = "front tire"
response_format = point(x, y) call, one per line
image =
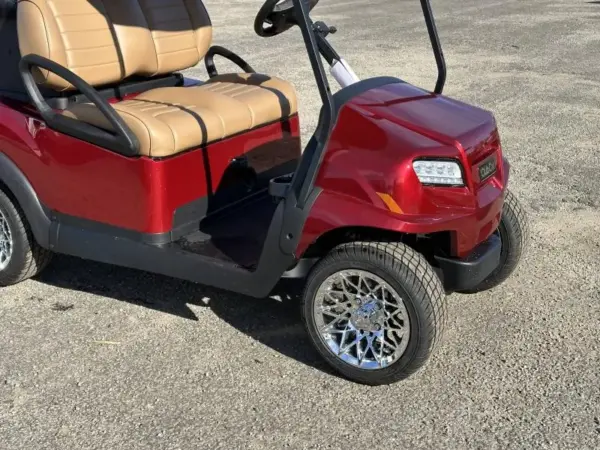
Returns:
point(514, 235)
point(21, 257)
point(374, 311)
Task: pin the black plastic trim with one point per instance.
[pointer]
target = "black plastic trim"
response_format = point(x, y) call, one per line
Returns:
point(136, 86)
point(343, 96)
point(119, 91)
point(225, 53)
point(98, 243)
point(467, 273)
point(156, 254)
point(124, 141)
point(64, 220)
point(62, 100)
point(301, 269)
point(186, 218)
point(12, 177)
point(164, 260)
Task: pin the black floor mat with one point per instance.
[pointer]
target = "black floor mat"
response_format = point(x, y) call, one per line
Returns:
point(236, 236)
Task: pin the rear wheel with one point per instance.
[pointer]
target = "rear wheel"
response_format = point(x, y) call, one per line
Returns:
point(21, 257)
point(374, 311)
point(514, 235)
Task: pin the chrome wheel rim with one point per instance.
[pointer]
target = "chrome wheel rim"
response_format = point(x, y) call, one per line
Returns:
point(6, 243)
point(361, 319)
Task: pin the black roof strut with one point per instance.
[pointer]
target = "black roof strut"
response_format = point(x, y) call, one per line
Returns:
point(436, 45)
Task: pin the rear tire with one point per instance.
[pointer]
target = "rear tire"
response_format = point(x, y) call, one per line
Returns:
point(514, 234)
point(408, 281)
point(21, 257)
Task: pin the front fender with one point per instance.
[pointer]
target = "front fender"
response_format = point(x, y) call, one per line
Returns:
point(333, 210)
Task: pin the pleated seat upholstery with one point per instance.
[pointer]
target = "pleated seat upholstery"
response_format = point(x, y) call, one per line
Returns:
point(107, 41)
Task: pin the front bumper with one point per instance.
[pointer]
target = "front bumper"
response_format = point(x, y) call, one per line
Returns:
point(466, 273)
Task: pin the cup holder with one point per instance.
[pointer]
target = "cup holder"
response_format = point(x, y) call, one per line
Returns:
point(278, 186)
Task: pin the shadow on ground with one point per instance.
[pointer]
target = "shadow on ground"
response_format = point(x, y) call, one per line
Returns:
point(274, 322)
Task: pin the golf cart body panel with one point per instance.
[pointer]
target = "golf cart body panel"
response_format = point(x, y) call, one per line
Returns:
point(144, 195)
point(378, 135)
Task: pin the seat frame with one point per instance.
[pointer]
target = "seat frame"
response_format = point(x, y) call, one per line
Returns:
point(123, 141)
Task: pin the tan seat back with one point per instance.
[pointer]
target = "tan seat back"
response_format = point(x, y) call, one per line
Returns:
point(106, 41)
point(181, 33)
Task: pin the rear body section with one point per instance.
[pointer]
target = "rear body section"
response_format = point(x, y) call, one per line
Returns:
point(164, 198)
point(369, 159)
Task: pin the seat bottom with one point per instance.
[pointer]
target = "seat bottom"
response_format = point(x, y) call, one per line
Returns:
point(171, 120)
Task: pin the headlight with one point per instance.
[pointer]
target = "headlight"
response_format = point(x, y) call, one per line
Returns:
point(446, 173)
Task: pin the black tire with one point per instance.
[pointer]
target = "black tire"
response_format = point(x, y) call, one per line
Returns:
point(27, 258)
point(514, 234)
point(414, 280)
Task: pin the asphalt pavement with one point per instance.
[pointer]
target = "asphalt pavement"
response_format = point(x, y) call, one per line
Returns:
point(99, 357)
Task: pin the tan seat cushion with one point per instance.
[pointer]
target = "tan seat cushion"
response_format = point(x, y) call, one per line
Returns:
point(172, 120)
point(268, 99)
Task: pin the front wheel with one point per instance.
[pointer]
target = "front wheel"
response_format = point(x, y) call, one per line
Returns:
point(514, 236)
point(374, 311)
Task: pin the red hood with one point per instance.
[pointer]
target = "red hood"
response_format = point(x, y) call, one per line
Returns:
point(436, 117)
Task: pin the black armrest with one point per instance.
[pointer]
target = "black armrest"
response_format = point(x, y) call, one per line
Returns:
point(123, 141)
point(222, 51)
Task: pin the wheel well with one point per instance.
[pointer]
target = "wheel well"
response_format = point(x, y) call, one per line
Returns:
point(9, 193)
point(19, 190)
point(439, 243)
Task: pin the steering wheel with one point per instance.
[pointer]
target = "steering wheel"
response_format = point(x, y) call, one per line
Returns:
point(277, 16)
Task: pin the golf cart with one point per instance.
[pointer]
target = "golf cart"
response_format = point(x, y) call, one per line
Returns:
point(109, 153)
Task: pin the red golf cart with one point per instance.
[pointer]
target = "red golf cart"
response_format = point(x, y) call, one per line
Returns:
point(109, 153)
